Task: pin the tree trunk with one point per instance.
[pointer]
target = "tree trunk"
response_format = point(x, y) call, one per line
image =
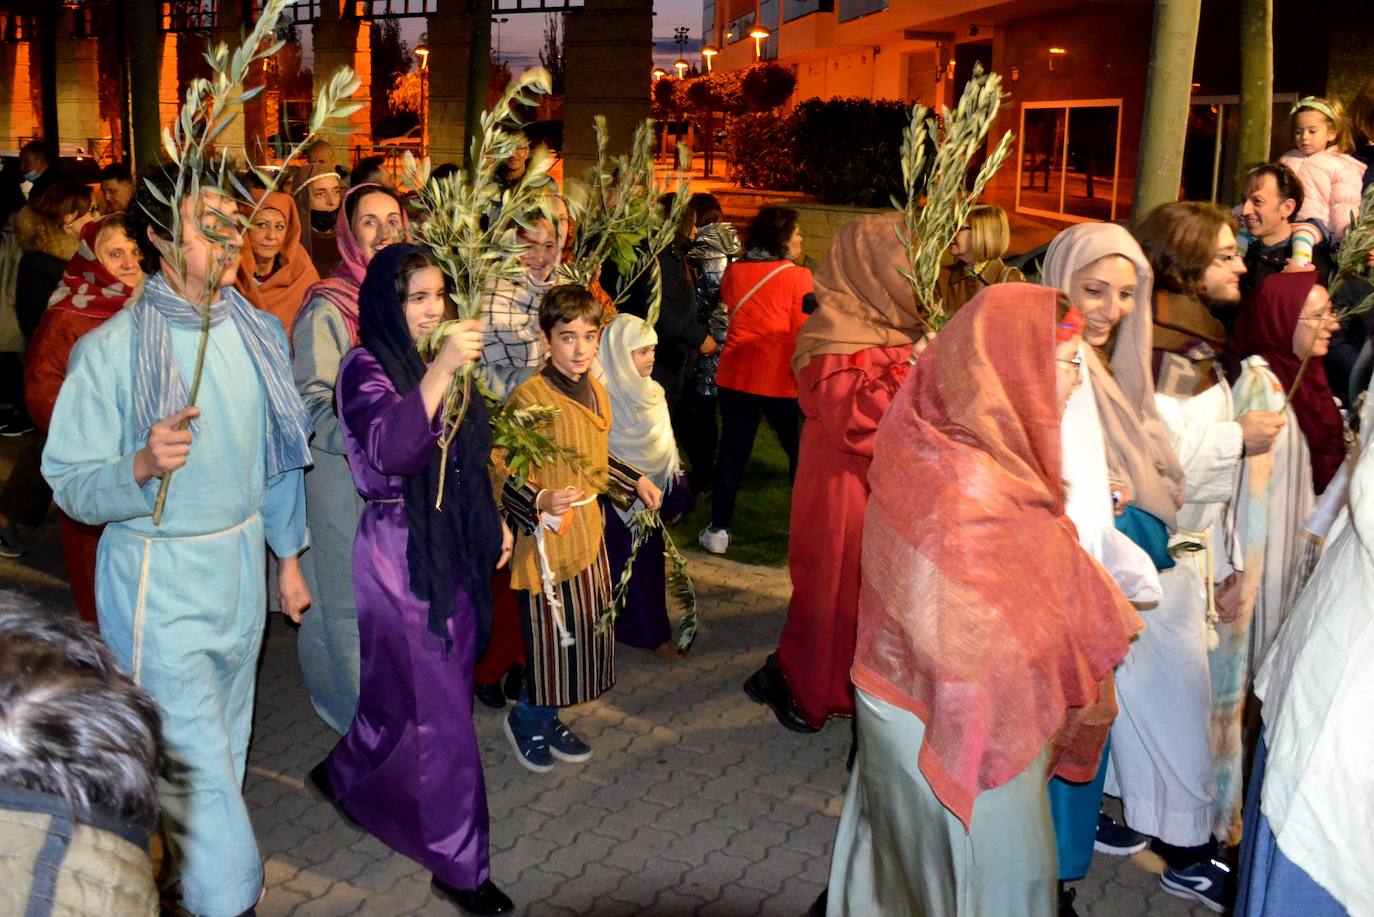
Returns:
point(144, 61)
point(479, 67)
point(1159, 169)
point(1256, 89)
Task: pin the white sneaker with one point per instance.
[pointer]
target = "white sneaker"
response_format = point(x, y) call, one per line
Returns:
point(714, 540)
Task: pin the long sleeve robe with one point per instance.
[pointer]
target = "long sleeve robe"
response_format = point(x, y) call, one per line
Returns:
point(183, 605)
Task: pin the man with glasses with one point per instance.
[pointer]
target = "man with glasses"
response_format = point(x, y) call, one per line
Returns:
point(1161, 747)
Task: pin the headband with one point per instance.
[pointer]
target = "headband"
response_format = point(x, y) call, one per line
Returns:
point(1316, 105)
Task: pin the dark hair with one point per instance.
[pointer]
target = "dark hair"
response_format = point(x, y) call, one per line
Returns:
point(567, 303)
point(418, 260)
point(117, 171)
point(38, 148)
point(1285, 179)
point(1180, 241)
point(1362, 114)
point(770, 229)
point(76, 727)
point(368, 169)
point(351, 200)
point(683, 237)
point(706, 208)
point(147, 213)
point(62, 199)
point(444, 170)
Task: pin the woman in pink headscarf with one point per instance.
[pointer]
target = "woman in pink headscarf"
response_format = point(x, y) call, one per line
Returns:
point(326, 329)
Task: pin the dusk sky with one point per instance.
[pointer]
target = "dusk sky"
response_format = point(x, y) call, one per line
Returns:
point(523, 35)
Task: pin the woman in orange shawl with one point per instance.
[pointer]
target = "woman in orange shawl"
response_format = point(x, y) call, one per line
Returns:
point(275, 271)
point(987, 635)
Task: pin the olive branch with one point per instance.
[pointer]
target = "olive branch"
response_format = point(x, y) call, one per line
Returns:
point(209, 107)
point(619, 219)
point(642, 525)
point(926, 231)
point(471, 226)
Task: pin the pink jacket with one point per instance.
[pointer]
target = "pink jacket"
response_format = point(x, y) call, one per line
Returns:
point(1331, 184)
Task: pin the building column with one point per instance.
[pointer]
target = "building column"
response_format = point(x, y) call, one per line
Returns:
point(344, 43)
point(78, 88)
point(447, 81)
point(17, 117)
point(609, 59)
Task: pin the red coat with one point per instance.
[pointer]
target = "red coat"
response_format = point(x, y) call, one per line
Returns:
point(762, 336)
point(843, 397)
point(44, 370)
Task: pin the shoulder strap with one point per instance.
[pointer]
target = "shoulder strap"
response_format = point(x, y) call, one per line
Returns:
point(758, 286)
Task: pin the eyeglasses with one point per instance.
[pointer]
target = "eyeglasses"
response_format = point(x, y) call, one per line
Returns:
point(1227, 258)
point(1076, 364)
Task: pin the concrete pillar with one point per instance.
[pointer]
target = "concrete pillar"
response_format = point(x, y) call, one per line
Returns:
point(169, 96)
point(141, 58)
point(17, 117)
point(342, 43)
point(450, 29)
point(229, 29)
point(610, 57)
point(78, 88)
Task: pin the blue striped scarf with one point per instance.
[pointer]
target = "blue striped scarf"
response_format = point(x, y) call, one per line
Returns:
point(160, 387)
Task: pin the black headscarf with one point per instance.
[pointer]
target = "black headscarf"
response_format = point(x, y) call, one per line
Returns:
point(460, 544)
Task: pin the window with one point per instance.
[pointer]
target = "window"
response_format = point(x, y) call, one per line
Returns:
point(1209, 152)
point(1068, 159)
point(708, 20)
point(737, 29)
point(796, 9)
point(853, 9)
point(768, 16)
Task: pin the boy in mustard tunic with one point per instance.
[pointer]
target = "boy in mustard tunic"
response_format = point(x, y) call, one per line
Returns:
point(560, 568)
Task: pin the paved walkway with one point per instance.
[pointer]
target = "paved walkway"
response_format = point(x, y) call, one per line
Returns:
point(697, 802)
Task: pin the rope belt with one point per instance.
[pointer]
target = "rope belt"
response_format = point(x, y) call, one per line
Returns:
point(1206, 567)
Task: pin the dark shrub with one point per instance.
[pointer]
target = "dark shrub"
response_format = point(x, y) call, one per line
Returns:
point(846, 151)
point(766, 86)
point(763, 151)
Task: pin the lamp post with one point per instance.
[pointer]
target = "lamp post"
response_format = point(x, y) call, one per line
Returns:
point(708, 52)
point(422, 52)
point(759, 33)
point(499, 20)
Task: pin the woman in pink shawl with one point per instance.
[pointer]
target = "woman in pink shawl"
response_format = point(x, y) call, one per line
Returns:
point(986, 634)
point(326, 329)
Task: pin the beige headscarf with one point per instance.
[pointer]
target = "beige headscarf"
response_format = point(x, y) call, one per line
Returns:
point(863, 301)
point(1138, 450)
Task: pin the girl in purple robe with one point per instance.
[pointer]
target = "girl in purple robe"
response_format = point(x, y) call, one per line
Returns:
point(408, 769)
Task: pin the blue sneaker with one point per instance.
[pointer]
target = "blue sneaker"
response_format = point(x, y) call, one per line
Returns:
point(1208, 883)
point(565, 745)
point(1117, 840)
point(530, 743)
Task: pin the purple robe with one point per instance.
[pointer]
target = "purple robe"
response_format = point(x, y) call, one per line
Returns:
point(643, 622)
point(408, 768)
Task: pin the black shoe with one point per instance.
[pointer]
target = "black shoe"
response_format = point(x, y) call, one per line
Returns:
point(11, 545)
point(767, 686)
point(491, 695)
point(817, 908)
point(1066, 896)
point(515, 680)
point(318, 780)
point(482, 900)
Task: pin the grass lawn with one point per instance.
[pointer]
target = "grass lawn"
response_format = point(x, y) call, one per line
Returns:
point(758, 534)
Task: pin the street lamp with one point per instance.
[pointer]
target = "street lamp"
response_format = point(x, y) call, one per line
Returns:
point(498, 20)
point(658, 74)
point(759, 33)
point(422, 52)
point(681, 65)
point(708, 52)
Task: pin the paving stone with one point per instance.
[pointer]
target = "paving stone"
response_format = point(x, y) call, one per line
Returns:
point(697, 801)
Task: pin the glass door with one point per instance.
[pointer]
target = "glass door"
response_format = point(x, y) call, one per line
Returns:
point(1069, 159)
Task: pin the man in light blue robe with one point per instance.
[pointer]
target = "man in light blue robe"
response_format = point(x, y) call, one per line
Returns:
point(183, 603)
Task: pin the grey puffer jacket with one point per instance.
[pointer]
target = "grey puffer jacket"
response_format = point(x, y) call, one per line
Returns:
point(715, 246)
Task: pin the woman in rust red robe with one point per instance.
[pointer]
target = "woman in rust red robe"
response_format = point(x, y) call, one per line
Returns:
point(852, 355)
point(100, 279)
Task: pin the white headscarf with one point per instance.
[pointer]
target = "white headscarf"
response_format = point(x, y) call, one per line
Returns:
point(641, 432)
